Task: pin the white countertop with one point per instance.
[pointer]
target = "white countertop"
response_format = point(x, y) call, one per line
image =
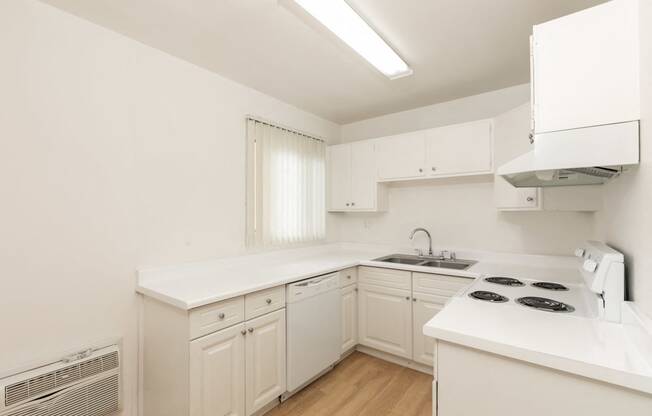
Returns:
point(588, 347)
point(613, 353)
point(192, 285)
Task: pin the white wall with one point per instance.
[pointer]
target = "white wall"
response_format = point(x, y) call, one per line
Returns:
point(475, 107)
point(459, 213)
point(626, 221)
point(113, 155)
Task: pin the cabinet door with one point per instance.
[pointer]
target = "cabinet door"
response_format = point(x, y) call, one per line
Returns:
point(217, 369)
point(460, 149)
point(349, 317)
point(363, 175)
point(339, 177)
point(385, 319)
point(265, 360)
point(586, 68)
point(424, 308)
point(402, 156)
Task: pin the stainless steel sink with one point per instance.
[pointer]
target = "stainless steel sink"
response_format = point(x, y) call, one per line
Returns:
point(427, 261)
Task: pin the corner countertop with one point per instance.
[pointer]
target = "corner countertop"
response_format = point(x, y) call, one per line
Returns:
point(192, 285)
point(615, 353)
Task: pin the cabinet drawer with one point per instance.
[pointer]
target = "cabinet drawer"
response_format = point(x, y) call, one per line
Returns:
point(398, 279)
point(216, 316)
point(264, 301)
point(348, 276)
point(437, 284)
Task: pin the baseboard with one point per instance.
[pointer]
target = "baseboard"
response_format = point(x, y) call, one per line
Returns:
point(404, 362)
point(268, 407)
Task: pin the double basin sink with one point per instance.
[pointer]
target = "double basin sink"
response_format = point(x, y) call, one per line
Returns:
point(427, 261)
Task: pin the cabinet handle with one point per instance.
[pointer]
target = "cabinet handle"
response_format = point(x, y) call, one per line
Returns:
point(531, 137)
point(269, 301)
point(407, 298)
point(221, 315)
point(243, 332)
point(250, 330)
point(529, 199)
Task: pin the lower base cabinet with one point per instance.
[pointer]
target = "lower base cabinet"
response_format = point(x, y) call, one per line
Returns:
point(349, 317)
point(217, 373)
point(239, 370)
point(424, 308)
point(385, 319)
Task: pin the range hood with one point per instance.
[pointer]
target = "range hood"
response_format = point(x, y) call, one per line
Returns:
point(585, 156)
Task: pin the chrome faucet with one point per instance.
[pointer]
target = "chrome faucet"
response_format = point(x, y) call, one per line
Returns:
point(416, 230)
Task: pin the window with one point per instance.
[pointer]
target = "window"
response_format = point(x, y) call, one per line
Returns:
point(286, 184)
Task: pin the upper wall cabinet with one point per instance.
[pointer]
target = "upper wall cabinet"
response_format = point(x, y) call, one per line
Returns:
point(352, 184)
point(402, 156)
point(585, 69)
point(461, 149)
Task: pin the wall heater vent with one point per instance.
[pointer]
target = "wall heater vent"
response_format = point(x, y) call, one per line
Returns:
point(84, 384)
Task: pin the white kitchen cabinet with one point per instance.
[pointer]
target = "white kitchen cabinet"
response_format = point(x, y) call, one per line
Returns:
point(385, 319)
point(460, 149)
point(352, 183)
point(585, 68)
point(265, 360)
point(511, 140)
point(424, 308)
point(217, 373)
point(402, 156)
point(339, 177)
point(349, 317)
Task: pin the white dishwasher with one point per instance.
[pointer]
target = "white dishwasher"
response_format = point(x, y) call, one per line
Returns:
point(313, 328)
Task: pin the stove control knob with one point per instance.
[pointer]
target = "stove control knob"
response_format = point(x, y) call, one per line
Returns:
point(590, 265)
point(579, 252)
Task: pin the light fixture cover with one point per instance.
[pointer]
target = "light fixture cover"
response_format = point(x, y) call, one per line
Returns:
point(346, 24)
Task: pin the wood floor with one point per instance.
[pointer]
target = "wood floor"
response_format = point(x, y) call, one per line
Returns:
point(362, 385)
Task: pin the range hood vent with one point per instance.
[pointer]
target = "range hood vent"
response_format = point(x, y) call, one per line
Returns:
point(587, 156)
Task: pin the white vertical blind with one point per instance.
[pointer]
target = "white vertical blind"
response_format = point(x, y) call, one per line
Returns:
point(286, 196)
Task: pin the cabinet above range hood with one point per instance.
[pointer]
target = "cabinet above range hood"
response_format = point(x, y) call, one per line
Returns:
point(585, 156)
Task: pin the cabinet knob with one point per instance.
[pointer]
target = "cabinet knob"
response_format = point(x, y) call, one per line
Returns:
point(221, 315)
point(347, 204)
point(356, 289)
point(348, 276)
point(269, 301)
point(420, 170)
point(414, 299)
point(529, 199)
point(352, 204)
point(407, 298)
point(243, 332)
point(434, 169)
point(531, 137)
point(250, 330)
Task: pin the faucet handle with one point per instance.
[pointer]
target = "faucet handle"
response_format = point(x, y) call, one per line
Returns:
point(453, 255)
point(419, 252)
point(445, 254)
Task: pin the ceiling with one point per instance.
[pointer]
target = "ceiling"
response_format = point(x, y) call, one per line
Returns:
point(457, 48)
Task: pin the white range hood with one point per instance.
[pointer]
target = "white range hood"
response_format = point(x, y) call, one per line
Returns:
point(585, 156)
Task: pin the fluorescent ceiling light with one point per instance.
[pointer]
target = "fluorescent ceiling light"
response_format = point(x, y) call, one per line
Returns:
point(346, 24)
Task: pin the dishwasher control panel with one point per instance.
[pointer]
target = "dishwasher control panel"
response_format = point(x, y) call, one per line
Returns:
point(311, 287)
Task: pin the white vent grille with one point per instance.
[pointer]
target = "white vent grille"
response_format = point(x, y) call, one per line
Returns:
point(98, 398)
point(37, 386)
